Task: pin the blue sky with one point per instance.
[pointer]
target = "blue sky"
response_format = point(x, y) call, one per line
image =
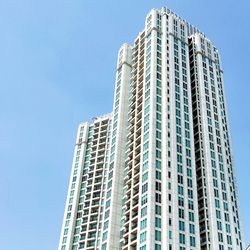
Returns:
point(57, 68)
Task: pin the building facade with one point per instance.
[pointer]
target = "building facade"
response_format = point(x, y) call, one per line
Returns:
point(158, 172)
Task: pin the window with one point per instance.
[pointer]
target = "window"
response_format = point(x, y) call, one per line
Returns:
point(157, 222)
point(157, 209)
point(157, 247)
point(192, 241)
point(181, 225)
point(144, 211)
point(157, 235)
point(143, 223)
point(143, 237)
point(192, 228)
point(182, 238)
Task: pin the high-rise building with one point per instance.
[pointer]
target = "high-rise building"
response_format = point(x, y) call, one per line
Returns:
point(83, 212)
point(157, 173)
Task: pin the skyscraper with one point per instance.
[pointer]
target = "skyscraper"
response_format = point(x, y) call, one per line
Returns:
point(157, 173)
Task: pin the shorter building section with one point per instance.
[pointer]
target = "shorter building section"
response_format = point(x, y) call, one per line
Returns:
point(84, 206)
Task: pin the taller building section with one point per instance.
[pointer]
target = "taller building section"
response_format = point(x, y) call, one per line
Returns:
point(217, 191)
point(131, 203)
point(160, 202)
point(114, 192)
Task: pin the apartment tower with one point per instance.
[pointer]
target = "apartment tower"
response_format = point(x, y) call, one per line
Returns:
point(157, 173)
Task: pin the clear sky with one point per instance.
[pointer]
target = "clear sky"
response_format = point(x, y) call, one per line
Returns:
point(57, 68)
